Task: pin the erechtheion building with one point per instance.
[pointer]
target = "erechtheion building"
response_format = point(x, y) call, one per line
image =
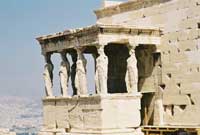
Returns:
point(147, 71)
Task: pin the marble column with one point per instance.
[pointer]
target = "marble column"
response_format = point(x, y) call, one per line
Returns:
point(101, 75)
point(80, 78)
point(64, 74)
point(132, 72)
point(48, 75)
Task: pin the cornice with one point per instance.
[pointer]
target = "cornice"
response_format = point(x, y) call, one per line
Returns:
point(95, 30)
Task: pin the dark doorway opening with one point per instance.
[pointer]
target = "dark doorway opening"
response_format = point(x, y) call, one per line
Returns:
point(117, 66)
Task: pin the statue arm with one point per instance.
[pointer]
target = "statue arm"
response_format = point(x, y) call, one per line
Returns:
point(127, 80)
point(76, 82)
point(96, 75)
point(96, 81)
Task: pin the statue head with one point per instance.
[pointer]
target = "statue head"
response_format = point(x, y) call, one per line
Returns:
point(80, 52)
point(132, 51)
point(79, 63)
point(101, 50)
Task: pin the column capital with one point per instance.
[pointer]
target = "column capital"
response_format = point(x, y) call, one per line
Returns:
point(79, 49)
point(103, 44)
point(62, 54)
point(61, 51)
point(100, 49)
point(133, 43)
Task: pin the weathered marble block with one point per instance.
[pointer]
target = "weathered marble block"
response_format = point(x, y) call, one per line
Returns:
point(93, 114)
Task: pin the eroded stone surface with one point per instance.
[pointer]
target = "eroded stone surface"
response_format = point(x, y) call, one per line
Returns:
point(93, 113)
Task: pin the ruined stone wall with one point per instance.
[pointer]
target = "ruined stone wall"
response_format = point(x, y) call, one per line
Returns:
point(180, 54)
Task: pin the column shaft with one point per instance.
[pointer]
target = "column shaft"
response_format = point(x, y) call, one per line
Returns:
point(101, 74)
point(80, 78)
point(64, 74)
point(132, 72)
point(48, 76)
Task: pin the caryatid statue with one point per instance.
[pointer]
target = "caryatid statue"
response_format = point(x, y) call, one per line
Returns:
point(132, 72)
point(48, 76)
point(80, 78)
point(101, 74)
point(64, 74)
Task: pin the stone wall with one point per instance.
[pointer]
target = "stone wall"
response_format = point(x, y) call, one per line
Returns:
point(180, 22)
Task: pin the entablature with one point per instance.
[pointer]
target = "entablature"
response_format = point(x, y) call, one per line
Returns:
point(98, 35)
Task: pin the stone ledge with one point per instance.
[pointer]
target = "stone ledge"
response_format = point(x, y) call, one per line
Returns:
point(106, 131)
point(125, 96)
point(100, 28)
point(128, 131)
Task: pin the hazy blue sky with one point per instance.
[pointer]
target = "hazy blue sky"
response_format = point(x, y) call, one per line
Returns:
point(21, 21)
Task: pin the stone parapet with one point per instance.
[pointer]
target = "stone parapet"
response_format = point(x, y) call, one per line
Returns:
point(93, 114)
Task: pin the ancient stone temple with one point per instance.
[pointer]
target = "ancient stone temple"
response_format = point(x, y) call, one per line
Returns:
point(147, 71)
